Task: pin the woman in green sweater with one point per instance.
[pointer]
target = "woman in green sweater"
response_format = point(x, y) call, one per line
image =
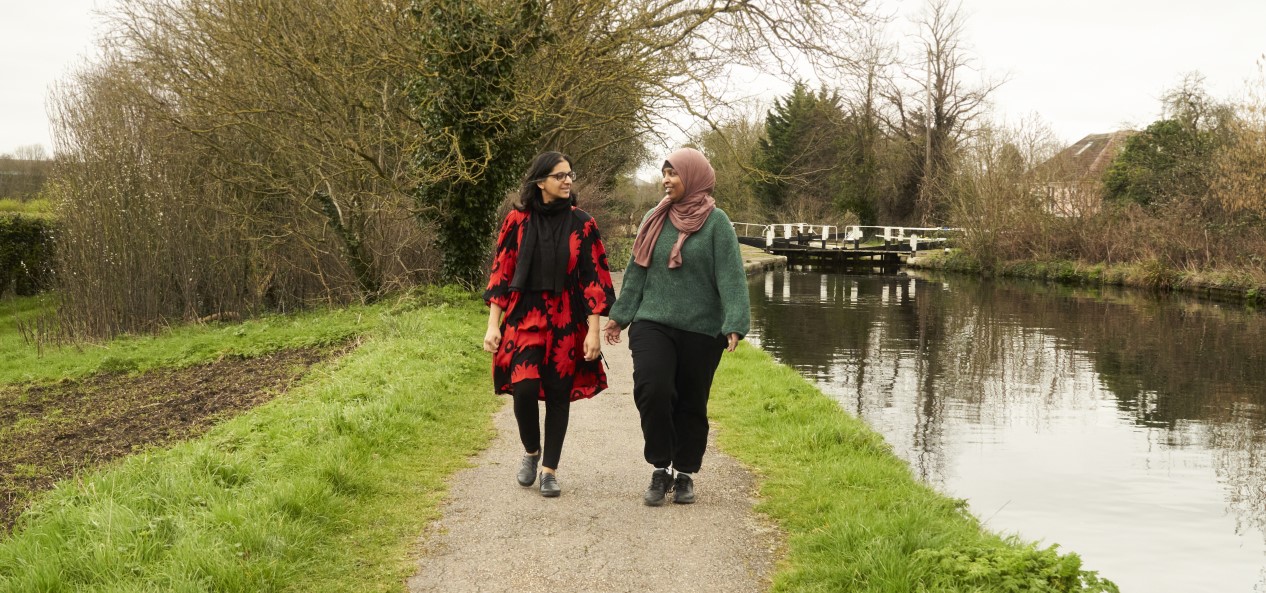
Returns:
point(685, 294)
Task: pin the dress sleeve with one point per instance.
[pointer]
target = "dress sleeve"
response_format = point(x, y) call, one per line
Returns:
point(594, 273)
point(504, 260)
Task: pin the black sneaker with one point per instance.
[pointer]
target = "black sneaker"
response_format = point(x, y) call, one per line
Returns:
point(683, 489)
point(527, 471)
point(661, 483)
point(549, 485)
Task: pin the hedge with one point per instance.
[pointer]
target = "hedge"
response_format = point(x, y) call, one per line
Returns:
point(26, 254)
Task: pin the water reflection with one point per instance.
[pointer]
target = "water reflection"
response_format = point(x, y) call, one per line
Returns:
point(1124, 426)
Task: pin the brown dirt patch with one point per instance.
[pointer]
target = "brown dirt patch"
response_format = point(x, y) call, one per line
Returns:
point(49, 432)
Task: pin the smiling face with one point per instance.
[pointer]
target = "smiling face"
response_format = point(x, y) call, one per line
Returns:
point(557, 185)
point(674, 189)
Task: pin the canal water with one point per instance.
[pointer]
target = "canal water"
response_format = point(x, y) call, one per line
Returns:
point(1124, 426)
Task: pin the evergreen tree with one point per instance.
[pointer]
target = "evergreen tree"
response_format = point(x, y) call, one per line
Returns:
point(801, 153)
point(860, 168)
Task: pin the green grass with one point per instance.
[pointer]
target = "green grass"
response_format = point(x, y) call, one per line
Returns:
point(38, 207)
point(855, 518)
point(323, 489)
point(176, 347)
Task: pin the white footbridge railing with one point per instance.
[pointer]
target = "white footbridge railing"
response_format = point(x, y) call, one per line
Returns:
point(828, 236)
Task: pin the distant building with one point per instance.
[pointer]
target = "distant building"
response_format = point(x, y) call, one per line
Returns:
point(1072, 181)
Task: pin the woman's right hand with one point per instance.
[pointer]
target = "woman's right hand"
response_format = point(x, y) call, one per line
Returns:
point(611, 331)
point(492, 339)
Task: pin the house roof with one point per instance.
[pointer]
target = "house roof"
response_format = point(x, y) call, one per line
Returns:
point(1086, 159)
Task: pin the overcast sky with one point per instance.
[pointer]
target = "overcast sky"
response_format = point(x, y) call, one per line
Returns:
point(1083, 66)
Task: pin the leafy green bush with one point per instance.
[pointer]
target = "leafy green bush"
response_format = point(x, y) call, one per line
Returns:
point(1019, 568)
point(619, 250)
point(26, 254)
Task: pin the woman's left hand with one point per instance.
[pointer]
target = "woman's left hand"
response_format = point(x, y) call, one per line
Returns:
point(593, 346)
point(733, 342)
point(611, 332)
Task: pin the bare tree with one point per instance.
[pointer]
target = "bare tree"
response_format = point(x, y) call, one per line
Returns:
point(230, 157)
point(31, 152)
point(303, 107)
point(730, 148)
point(945, 105)
point(996, 191)
point(870, 75)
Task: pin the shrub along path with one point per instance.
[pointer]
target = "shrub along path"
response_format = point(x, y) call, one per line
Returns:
point(598, 536)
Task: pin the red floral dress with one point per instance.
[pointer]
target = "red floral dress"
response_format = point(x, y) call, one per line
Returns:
point(556, 322)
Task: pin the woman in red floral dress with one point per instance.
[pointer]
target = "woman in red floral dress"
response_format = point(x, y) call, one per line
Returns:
point(551, 281)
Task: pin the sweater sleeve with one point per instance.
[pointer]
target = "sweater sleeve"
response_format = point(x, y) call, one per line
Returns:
point(731, 280)
point(625, 308)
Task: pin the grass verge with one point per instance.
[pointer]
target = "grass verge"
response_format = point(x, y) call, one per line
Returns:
point(855, 518)
point(323, 489)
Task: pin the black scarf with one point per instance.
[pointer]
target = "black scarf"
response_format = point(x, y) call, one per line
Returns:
point(545, 250)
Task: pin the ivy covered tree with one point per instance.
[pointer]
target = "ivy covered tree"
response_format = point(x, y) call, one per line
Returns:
point(502, 78)
point(478, 140)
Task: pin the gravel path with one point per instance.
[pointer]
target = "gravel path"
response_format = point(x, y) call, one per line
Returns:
point(598, 536)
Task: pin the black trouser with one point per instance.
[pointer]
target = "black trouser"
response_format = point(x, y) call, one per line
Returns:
point(527, 412)
point(672, 375)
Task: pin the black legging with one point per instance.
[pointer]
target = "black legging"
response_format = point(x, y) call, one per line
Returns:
point(557, 409)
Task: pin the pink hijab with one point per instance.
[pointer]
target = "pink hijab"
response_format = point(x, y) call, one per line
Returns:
point(687, 214)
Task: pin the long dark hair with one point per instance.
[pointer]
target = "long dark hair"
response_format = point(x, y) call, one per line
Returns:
point(541, 166)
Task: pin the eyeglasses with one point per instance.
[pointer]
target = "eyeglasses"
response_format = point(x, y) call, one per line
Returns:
point(559, 177)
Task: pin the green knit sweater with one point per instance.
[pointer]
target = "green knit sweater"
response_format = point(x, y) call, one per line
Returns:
point(707, 294)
